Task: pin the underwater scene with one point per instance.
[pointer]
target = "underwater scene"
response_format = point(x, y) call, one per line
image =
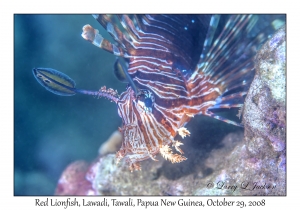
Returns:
point(149, 104)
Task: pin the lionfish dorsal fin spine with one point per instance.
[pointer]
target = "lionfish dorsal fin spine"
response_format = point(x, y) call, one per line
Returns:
point(209, 36)
point(92, 35)
point(183, 65)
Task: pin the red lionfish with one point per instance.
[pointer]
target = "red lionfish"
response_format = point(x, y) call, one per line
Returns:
point(179, 66)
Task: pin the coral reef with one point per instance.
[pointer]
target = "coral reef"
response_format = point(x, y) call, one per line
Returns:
point(112, 145)
point(265, 110)
point(249, 163)
point(156, 177)
point(73, 180)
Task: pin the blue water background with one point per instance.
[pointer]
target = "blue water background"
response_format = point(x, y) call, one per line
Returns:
point(51, 131)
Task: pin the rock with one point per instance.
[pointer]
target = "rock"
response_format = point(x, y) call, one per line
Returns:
point(111, 179)
point(112, 145)
point(73, 180)
point(264, 112)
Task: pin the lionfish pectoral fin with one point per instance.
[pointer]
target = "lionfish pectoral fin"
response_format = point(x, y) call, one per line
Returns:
point(229, 59)
point(209, 36)
point(216, 61)
point(213, 115)
point(228, 62)
point(234, 100)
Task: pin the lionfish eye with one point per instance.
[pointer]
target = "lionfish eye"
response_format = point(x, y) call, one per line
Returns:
point(146, 97)
point(148, 102)
point(141, 97)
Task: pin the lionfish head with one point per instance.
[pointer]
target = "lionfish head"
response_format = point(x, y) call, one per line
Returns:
point(143, 135)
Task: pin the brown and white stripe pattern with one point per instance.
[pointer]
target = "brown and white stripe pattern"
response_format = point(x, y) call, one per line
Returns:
point(163, 53)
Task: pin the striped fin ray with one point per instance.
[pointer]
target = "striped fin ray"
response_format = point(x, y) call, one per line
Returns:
point(211, 114)
point(92, 35)
point(240, 66)
point(230, 101)
point(169, 38)
point(235, 67)
point(131, 40)
point(224, 45)
point(113, 25)
point(125, 39)
point(127, 34)
point(179, 66)
point(209, 37)
point(233, 51)
point(141, 42)
point(244, 86)
point(110, 24)
point(228, 63)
